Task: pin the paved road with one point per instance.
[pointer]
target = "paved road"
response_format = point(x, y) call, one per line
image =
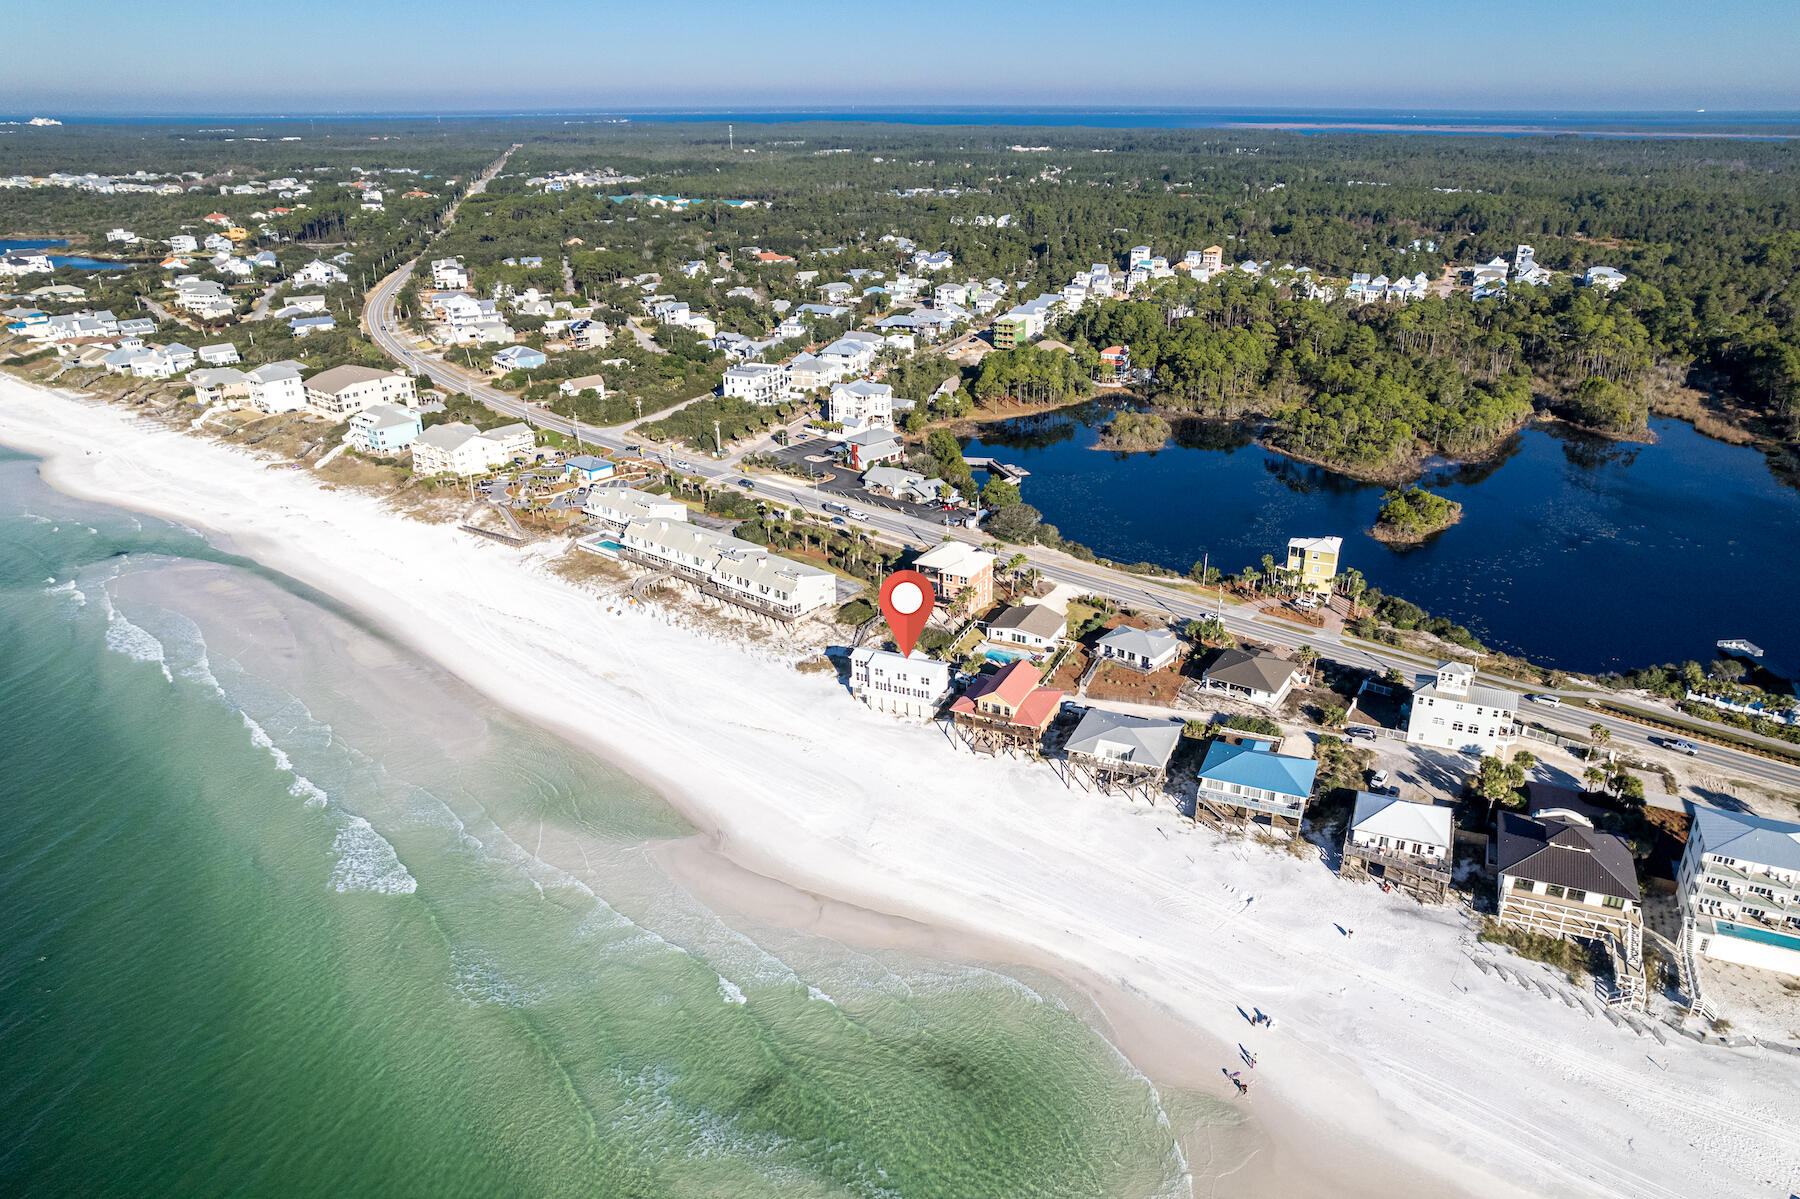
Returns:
point(383, 327)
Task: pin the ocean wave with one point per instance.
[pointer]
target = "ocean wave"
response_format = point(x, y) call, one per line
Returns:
point(367, 861)
point(477, 980)
point(123, 637)
point(813, 992)
point(730, 992)
point(67, 588)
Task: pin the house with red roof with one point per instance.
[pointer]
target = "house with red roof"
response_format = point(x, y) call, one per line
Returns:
point(1007, 710)
point(771, 256)
point(216, 218)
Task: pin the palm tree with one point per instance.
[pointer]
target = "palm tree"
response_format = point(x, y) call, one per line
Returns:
point(1353, 585)
point(1599, 734)
point(1268, 567)
point(1307, 657)
point(1250, 577)
point(1594, 779)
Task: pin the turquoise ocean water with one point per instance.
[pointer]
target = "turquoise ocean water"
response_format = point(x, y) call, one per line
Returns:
point(278, 920)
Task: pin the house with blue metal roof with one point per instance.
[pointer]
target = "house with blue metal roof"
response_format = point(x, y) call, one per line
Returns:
point(1739, 889)
point(1250, 784)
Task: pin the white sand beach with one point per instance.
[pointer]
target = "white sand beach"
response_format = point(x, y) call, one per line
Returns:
point(1394, 1063)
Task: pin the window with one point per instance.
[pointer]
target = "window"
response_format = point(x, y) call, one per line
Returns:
point(1523, 884)
point(1555, 891)
point(1614, 902)
point(1577, 896)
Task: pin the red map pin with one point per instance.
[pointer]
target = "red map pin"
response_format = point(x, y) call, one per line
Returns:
point(906, 601)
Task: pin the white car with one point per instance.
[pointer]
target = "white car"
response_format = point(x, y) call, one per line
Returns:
point(857, 514)
point(683, 464)
point(1378, 782)
point(1549, 701)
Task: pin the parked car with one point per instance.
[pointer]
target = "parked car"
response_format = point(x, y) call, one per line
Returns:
point(1378, 782)
point(1360, 730)
point(1549, 701)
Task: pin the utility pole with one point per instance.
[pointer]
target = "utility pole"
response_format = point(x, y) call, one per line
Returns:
point(731, 136)
point(718, 441)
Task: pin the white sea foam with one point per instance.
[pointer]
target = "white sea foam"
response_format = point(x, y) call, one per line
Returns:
point(813, 992)
point(477, 979)
point(730, 992)
point(123, 637)
point(367, 861)
point(67, 588)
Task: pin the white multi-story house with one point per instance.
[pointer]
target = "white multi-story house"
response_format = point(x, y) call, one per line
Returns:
point(447, 274)
point(277, 387)
point(619, 506)
point(318, 273)
point(123, 236)
point(1403, 842)
point(344, 390)
point(860, 404)
point(222, 354)
point(912, 687)
point(460, 449)
point(758, 382)
point(739, 572)
point(1739, 886)
point(853, 353)
point(183, 243)
point(1452, 711)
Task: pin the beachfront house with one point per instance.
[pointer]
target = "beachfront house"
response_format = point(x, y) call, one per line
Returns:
point(277, 387)
point(1739, 889)
point(1561, 877)
point(619, 506)
point(739, 572)
point(461, 449)
point(913, 686)
point(1313, 562)
point(1038, 628)
point(1452, 711)
point(1402, 842)
point(1253, 675)
point(219, 385)
point(1117, 752)
point(1142, 650)
point(1247, 783)
point(344, 390)
point(383, 430)
point(1007, 711)
point(956, 568)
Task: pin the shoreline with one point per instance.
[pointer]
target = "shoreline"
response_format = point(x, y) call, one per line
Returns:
point(790, 779)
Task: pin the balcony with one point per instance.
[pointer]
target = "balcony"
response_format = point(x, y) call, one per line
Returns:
point(1288, 809)
point(1434, 868)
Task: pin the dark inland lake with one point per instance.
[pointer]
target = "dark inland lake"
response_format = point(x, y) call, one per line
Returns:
point(1573, 550)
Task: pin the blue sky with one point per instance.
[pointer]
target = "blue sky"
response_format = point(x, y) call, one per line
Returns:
point(412, 55)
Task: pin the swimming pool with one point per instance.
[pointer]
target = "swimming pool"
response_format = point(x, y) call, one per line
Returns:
point(1750, 933)
point(1003, 656)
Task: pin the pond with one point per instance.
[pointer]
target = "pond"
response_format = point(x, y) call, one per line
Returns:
point(10, 245)
point(1573, 550)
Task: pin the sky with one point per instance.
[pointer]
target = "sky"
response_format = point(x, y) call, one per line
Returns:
point(154, 57)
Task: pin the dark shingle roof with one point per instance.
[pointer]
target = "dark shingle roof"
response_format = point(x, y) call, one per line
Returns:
point(1569, 855)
